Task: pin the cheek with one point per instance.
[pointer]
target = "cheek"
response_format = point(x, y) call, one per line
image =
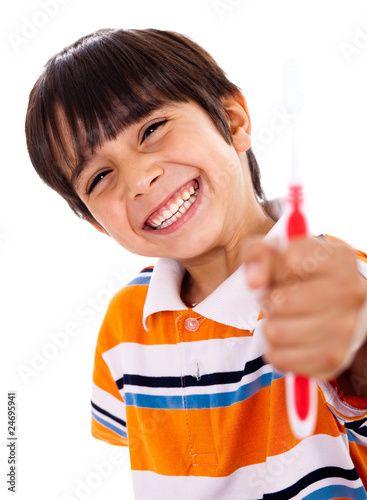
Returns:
point(111, 217)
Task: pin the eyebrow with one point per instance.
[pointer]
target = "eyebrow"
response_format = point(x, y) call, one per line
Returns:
point(86, 158)
point(82, 165)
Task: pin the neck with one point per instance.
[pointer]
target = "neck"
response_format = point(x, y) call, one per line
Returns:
point(205, 273)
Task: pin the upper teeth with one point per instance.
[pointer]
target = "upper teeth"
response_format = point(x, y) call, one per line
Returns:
point(176, 210)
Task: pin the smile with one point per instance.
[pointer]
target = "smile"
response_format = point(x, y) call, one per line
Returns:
point(176, 206)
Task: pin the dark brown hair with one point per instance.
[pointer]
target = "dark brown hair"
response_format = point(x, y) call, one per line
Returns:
point(108, 80)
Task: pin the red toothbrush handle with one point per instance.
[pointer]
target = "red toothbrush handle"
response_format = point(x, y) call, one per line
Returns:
point(301, 391)
point(297, 225)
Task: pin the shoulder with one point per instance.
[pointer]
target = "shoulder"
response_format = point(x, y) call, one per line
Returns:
point(134, 292)
point(124, 314)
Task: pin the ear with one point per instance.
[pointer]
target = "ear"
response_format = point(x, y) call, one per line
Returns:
point(97, 226)
point(239, 121)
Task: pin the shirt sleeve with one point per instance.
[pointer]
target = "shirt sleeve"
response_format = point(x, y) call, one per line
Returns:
point(350, 410)
point(108, 406)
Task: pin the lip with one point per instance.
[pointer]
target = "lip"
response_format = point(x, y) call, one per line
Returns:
point(185, 217)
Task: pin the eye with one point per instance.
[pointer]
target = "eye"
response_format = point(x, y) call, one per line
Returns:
point(151, 128)
point(96, 180)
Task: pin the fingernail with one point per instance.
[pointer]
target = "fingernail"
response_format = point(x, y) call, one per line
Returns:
point(253, 270)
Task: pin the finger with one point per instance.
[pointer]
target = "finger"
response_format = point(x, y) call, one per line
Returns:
point(310, 362)
point(259, 259)
point(306, 257)
point(308, 344)
point(299, 297)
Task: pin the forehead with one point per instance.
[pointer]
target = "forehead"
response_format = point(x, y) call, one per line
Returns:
point(74, 146)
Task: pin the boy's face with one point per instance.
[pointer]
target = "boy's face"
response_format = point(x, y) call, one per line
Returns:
point(145, 176)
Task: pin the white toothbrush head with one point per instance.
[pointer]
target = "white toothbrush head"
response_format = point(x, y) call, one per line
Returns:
point(292, 88)
point(293, 99)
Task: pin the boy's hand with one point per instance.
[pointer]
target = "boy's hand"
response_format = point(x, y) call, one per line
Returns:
point(314, 295)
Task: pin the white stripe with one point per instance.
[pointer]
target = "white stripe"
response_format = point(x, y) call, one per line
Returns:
point(108, 402)
point(192, 390)
point(109, 420)
point(166, 360)
point(326, 482)
point(247, 483)
point(312, 453)
point(241, 485)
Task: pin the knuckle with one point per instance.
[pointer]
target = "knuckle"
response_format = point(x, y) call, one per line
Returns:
point(333, 359)
point(347, 257)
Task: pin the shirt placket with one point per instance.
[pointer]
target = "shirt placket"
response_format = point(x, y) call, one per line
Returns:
point(198, 416)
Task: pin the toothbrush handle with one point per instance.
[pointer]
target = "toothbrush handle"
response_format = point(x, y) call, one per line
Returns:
point(301, 392)
point(301, 404)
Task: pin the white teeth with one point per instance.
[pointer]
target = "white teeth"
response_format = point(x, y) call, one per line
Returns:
point(176, 210)
point(167, 214)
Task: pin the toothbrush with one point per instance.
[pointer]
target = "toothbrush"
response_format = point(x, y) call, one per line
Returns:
point(301, 392)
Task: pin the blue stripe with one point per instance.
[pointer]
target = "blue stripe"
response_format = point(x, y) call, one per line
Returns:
point(109, 426)
point(337, 491)
point(140, 280)
point(108, 414)
point(350, 436)
point(199, 401)
point(354, 437)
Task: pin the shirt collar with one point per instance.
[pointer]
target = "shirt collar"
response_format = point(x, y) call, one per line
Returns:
point(233, 303)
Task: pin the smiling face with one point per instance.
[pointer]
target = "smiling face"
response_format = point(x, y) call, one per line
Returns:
point(171, 186)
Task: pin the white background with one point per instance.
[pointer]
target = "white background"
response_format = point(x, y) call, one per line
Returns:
point(52, 265)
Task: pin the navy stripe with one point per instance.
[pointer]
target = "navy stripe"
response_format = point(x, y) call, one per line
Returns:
point(313, 477)
point(189, 381)
point(358, 427)
point(104, 412)
point(147, 270)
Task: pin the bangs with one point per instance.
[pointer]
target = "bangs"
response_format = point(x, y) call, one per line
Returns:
point(111, 80)
point(107, 81)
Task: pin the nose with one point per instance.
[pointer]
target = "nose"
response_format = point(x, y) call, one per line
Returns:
point(139, 179)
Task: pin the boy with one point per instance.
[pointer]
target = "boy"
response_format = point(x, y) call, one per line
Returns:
point(145, 137)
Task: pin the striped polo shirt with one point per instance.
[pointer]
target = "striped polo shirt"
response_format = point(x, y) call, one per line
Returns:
point(204, 416)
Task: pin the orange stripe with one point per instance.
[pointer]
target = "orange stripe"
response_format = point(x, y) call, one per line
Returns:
point(281, 437)
point(212, 433)
point(201, 436)
point(123, 325)
point(104, 434)
point(102, 377)
point(164, 333)
point(358, 454)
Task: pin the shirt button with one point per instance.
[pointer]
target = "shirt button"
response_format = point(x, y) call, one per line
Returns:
point(197, 370)
point(191, 324)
